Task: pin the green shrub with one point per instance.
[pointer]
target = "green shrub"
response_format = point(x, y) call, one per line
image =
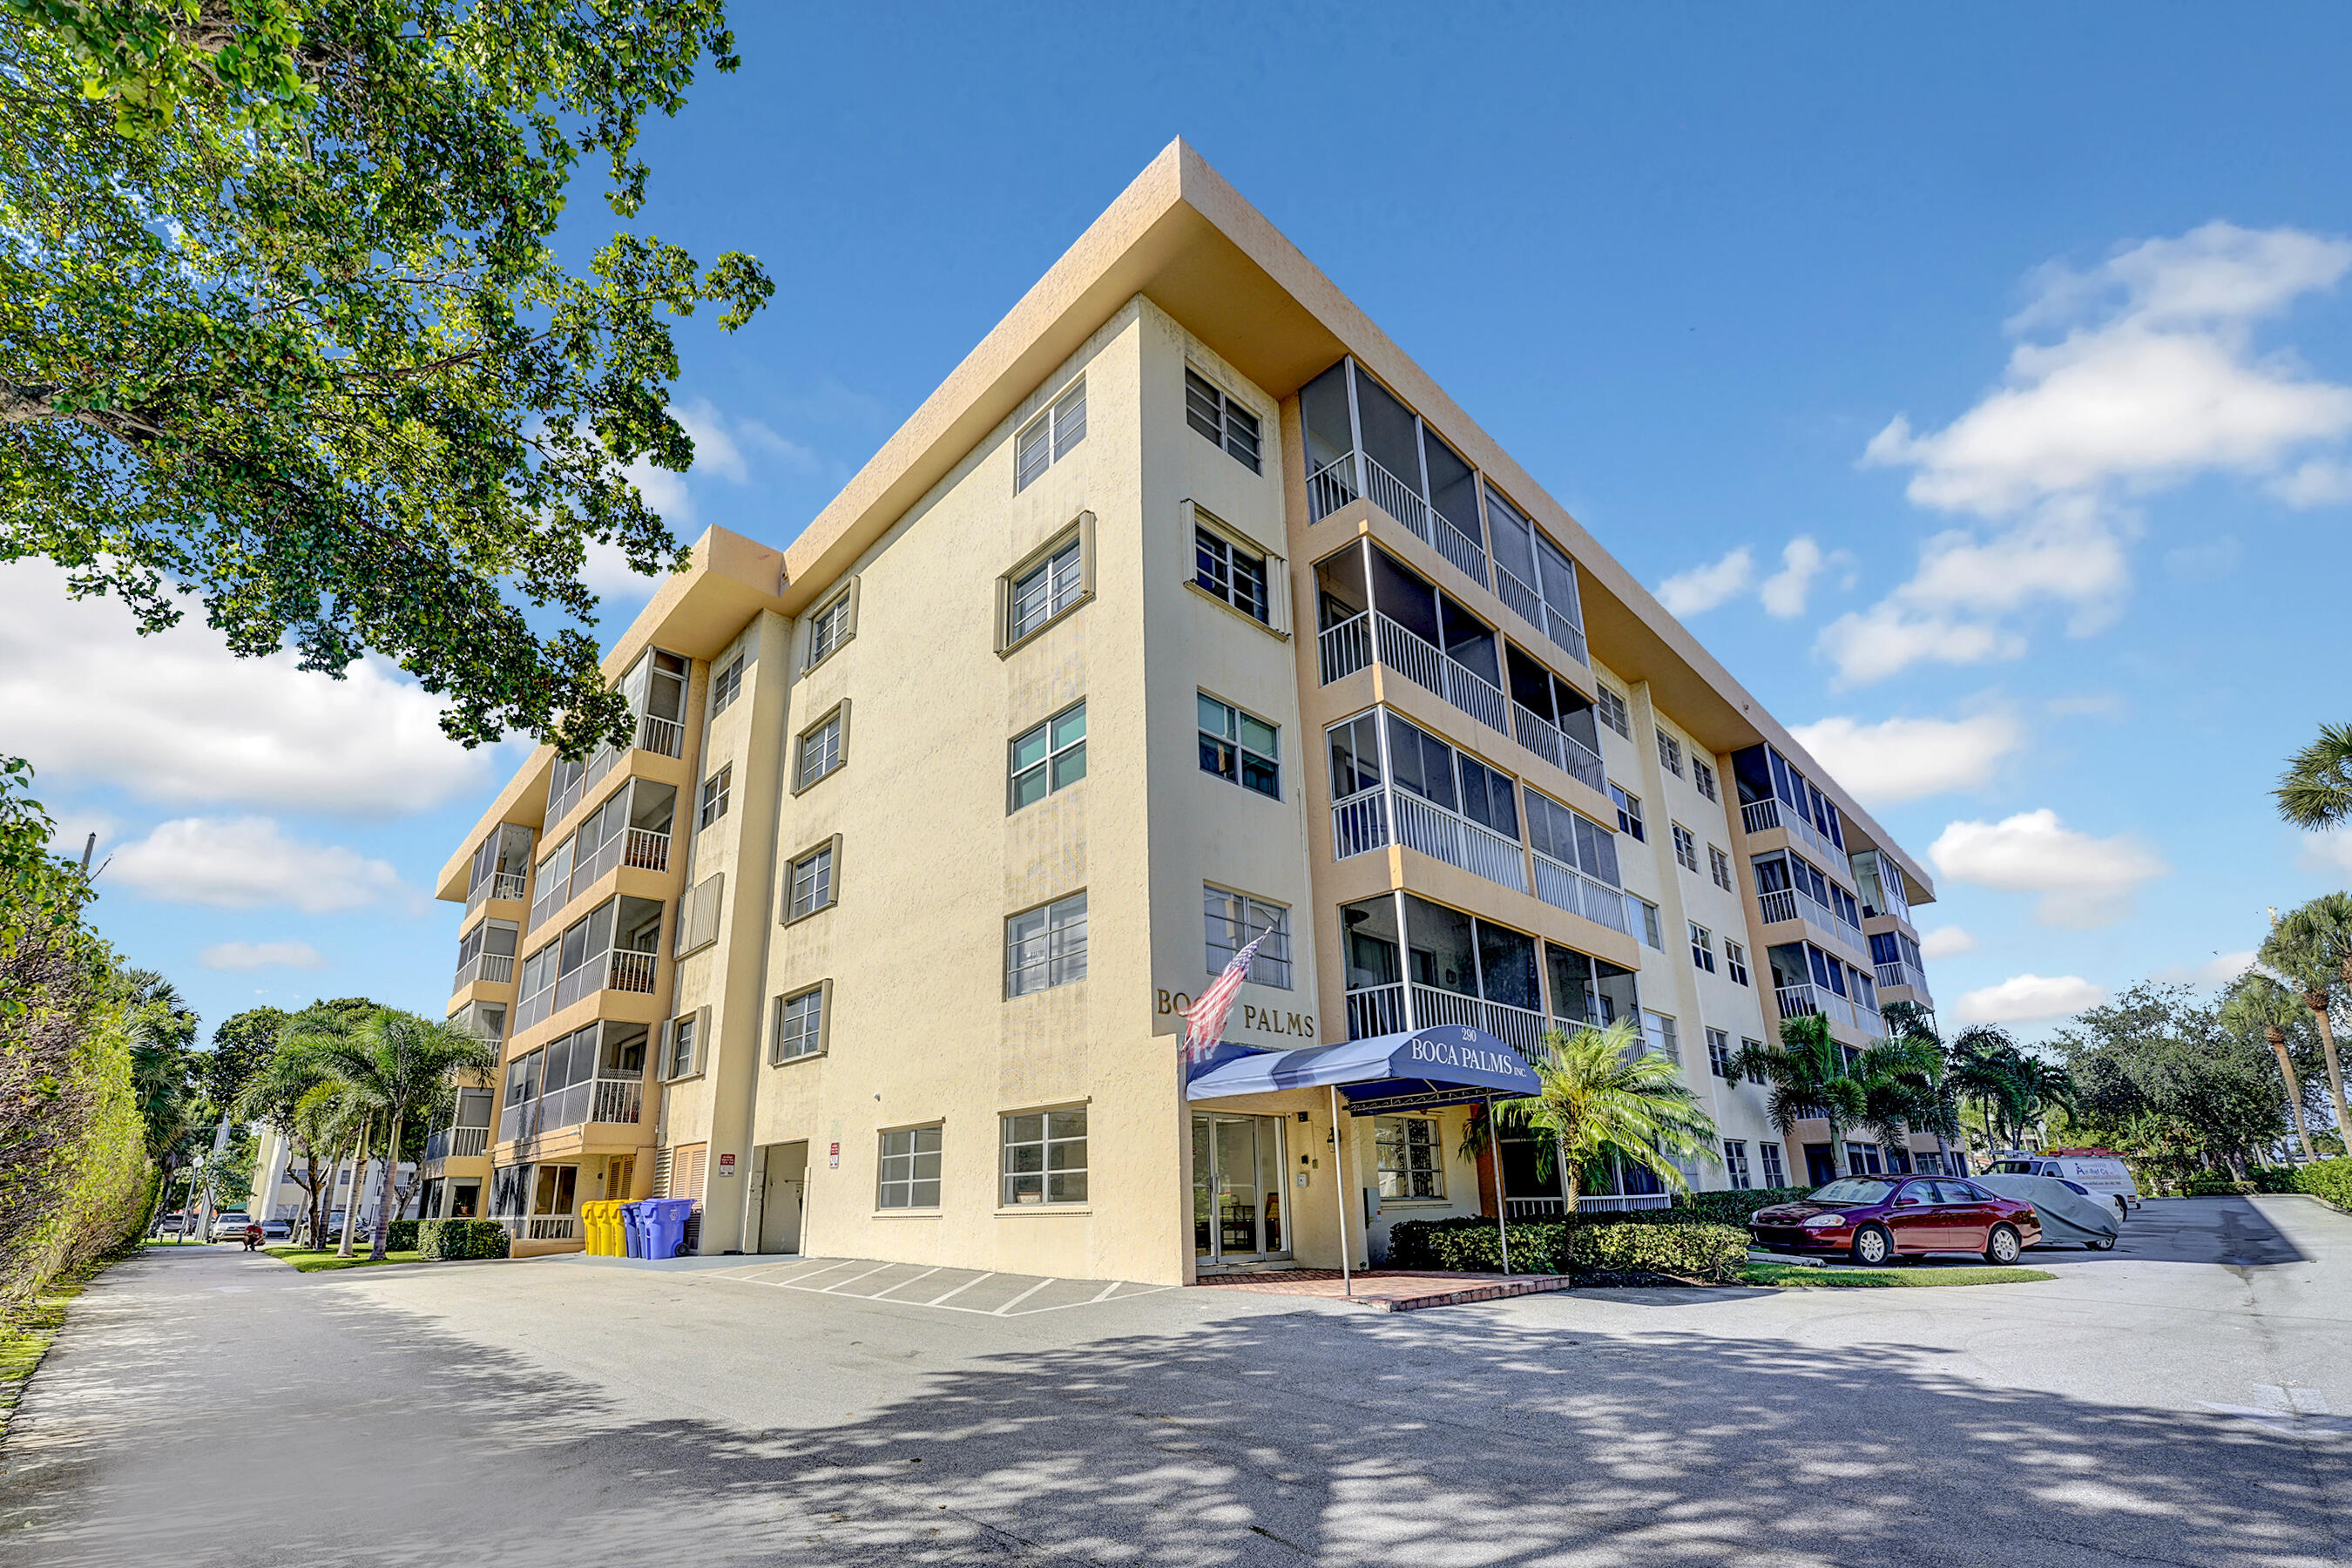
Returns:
point(2329, 1181)
point(1717, 1208)
point(2206, 1184)
point(454, 1240)
point(1469, 1243)
point(2274, 1178)
point(400, 1235)
point(1627, 1243)
point(1696, 1251)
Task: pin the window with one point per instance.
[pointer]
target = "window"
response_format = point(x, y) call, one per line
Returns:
point(1236, 919)
point(1230, 573)
point(725, 685)
point(1702, 947)
point(1044, 591)
point(1685, 847)
point(829, 629)
point(1718, 866)
point(1718, 1056)
point(1735, 960)
point(796, 1027)
point(1239, 748)
point(1047, 438)
point(1612, 710)
point(1209, 409)
point(1704, 777)
point(1046, 758)
point(812, 883)
point(1046, 1157)
point(820, 749)
point(1862, 1159)
point(1629, 813)
point(1652, 932)
point(1773, 1176)
point(910, 1177)
point(682, 1042)
point(1659, 1031)
point(1411, 1156)
point(1735, 1163)
point(1046, 947)
point(1670, 754)
point(714, 795)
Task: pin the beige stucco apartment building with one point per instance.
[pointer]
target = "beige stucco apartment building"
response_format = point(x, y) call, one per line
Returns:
point(1187, 609)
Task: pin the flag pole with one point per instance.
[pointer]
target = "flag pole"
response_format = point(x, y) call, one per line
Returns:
point(1347, 1269)
point(1502, 1213)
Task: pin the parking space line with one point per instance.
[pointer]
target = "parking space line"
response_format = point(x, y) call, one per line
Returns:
point(1104, 1295)
point(855, 1278)
point(902, 1284)
point(1024, 1295)
point(960, 1289)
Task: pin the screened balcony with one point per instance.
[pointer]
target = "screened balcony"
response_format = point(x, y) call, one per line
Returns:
point(1806, 980)
point(468, 1133)
point(631, 828)
point(654, 689)
point(595, 1075)
point(1880, 881)
point(1394, 782)
point(1773, 793)
point(501, 865)
point(1791, 887)
point(1895, 958)
point(614, 947)
point(1372, 609)
point(486, 953)
point(1576, 863)
point(1361, 441)
point(1449, 967)
point(1536, 578)
point(1554, 720)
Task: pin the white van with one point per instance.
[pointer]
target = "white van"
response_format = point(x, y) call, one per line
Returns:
point(2102, 1175)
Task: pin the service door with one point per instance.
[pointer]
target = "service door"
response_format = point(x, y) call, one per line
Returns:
point(785, 1168)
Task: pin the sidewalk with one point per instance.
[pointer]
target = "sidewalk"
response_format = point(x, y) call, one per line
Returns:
point(1390, 1289)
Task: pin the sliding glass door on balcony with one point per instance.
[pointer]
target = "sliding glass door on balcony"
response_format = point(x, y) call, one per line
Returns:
point(1394, 782)
point(1361, 441)
point(612, 947)
point(1439, 966)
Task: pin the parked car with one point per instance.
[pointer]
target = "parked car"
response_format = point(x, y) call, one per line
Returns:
point(229, 1226)
point(1874, 1219)
point(276, 1230)
point(2069, 1214)
point(2104, 1175)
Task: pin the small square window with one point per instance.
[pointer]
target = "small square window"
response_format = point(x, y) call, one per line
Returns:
point(819, 751)
point(1718, 866)
point(682, 1042)
point(1704, 777)
point(1686, 848)
point(1670, 754)
point(1734, 961)
point(1629, 813)
point(1047, 758)
point(1046, 1157)
point(1612, 709)
point(1653, 933)
point(1773, 1176)
point(1735, 1163)
point(1046, 947)
point(1231, 574)
point(1658, 1030)
point(812, 884)
point(1702, 947)
point(1240, 748)
point(725, 685)
point(714, 795)
point(1718, 1055)
point(1046, 439)
point(1044, 591)
point(1236, 919)
point(797, 1027)
point(1411, 1156)
point(1212, 411)
point(910, 1175)
point(829, 629)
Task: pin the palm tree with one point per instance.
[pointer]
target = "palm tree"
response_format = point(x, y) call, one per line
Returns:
point(1602, 1092)
point(2312, 948)
point(294, 1092)
point(2259, 1002)
point(1903, 1091)
point(1809, 1079)
point(399, 1066)
point(2316, 791)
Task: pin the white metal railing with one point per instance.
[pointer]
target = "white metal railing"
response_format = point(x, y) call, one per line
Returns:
point(1547, 618)
point(487, 968)
point(633, 971)
point(618, 1100)
point(1901, 974)
point(1587, 1203)
point(1375, 1010)
point(1331, 487)
point(1515, 1026)
point(610, 1097)
point(1558, 747)
point(1458, 841)
point(1425, 664)
point(1347, 647)
point(647, 850)
point(468, 1142)
point(540, 1227)
point(655, 733)
point(1759, 815)
point(1796, 1001)
point(1360, 825)
point(506, 885)
point(1565, 888)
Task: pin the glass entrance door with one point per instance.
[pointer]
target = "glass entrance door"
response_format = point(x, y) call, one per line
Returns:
point(1237, 1176)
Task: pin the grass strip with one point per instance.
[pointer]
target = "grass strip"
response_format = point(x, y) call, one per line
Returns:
point(1796, 1275)
point(311, 1262)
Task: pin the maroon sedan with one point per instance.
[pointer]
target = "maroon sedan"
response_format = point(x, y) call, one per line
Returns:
point(1874, 1218)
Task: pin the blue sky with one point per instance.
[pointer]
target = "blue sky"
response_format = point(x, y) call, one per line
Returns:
point(2011, 347)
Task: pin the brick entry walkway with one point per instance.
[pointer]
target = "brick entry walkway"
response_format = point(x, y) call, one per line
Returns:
point(1390, 1289)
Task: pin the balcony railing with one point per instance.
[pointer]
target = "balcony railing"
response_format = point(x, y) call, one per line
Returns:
point(655, 733)
point(1375, 1010)
point(1546, 618)
point(497, 885)
point(1565, 888)
point(1369, 635)
point(488, 968)
point(540, 1227)
point(1333, 485)
point(1760, 816)
point(633, 971)
point(619, 970)
point(456, 1143)
point(611, 1098)
point(1372, 820)
point(1796, 1001)
point(1558, 747)
point(647, 850)
point(1901, 974)
point(1587, 1202)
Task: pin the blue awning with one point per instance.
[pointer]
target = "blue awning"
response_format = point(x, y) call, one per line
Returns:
point(1422, 1068)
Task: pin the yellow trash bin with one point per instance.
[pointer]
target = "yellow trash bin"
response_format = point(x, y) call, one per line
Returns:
point(597, 1219)
point(608, 1229)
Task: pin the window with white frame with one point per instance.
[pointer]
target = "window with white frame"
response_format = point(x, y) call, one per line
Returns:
point(1773, 1177)
point(819, 751)
point(1702, 947)
point(1735, 1163)
point(1718, 866)
point(1046, 439)
point(829, 629)
point(1658, 1029)
point(1240, 748)
point(725, 685)
point(1718, 1055)
point(796, 1026)
point(1670, 754)
point(1612, 709)
point(715, 790)
point(910, 1175)
point(1047, 946)
point(1735, 959)
point(1629, 813)
point(1046, 1157)
point(1044, 591)
point(1046, 758)
point(1222, 568)
point(1236, 919)
point(682, 1043)
point(1653, 933)
point(1211, 410)
point(1704, 777)
point(812, 883)
point(1686, 848)
point(1411, 1156)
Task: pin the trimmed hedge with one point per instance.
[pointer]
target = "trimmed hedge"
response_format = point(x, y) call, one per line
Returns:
point(2329, 1181)
point(1714, 1208)
point(1469, 1243)
point(400, 1235)
point(455, 1240)
point(2205, 1184)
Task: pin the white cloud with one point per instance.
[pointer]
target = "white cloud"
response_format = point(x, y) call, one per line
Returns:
point(246, 955)
point(2028, 998)
point(608, 575)
point(2155, 380)
point(2218, 970)
point(714, 448)
point(2318, 482)
point(2328, 854)
point(177, 718)
point(1702, 588)
point(1946, 941)
point(1905, 759)
point(246, 863)
point(2083, 881)
point(1785, 592)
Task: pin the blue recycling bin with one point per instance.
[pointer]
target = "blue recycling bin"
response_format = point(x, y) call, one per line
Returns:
point(632, 1233)
point(664, 1225)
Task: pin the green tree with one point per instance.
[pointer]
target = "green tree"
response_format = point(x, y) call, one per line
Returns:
point(1809, 1079)
point(2311, 947)
point(400, 1067)
point(240, 1046)
point(2159, 1057)
point(292, 1092)
point(283, 325)
point(2257, 1003)
point(1603, 1092)
point(2316, 791)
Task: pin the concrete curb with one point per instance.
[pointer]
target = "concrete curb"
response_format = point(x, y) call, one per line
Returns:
point(1534, 1285)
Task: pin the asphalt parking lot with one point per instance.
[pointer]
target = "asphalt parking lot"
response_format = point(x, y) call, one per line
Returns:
point(2180, 1400)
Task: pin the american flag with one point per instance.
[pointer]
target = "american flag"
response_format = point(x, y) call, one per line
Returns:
point(1207, 1017)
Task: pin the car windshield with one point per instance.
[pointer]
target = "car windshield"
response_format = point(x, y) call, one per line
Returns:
point(1855, 1190)
point(2013, 1168)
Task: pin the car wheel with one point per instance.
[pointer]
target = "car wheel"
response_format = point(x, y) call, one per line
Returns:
point(2002, 1247)
point(2104, 1244)
point(1873, 1245)
point(2122, 1212)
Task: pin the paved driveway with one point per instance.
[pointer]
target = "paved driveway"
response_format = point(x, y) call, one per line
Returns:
point(2180, 1400)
